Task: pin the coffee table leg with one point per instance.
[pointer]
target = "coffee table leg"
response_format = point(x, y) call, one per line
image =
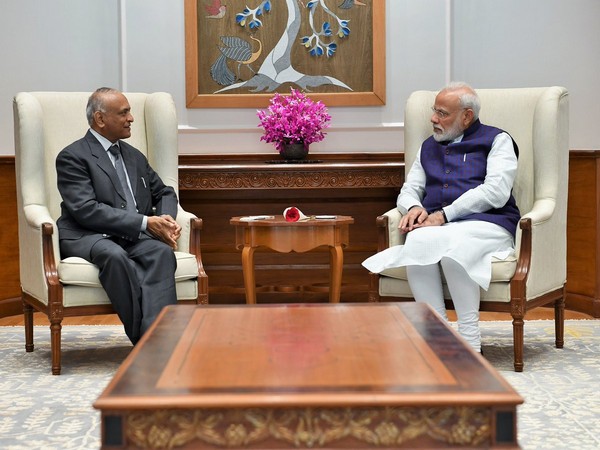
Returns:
point(248, 269)
point(336, 263)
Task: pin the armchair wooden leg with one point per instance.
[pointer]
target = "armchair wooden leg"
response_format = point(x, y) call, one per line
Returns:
point(373, 295)
point(28, 322)
point(55, 335)
point(559, 321)
point(518, 343)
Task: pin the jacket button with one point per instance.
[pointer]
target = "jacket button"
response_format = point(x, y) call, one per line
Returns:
point(445, 185)
point(122, 205)
point(447, 170)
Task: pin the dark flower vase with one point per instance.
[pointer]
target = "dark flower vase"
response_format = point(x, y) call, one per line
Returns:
point(294, 152)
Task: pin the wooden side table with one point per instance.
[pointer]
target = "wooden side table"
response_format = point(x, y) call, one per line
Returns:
point(285, 237)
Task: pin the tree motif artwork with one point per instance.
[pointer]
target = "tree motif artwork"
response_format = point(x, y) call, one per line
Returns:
point(245, 48)
point(277, 67)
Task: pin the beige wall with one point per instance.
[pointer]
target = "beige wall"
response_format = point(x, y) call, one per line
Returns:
point(138, 45)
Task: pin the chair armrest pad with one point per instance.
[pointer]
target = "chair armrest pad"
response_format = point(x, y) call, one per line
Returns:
point(390, 221)
point(189, 242)
point(38, 251)
point(184, 220)
point(36, 215)
point(547, 243)
point(543, 221)
point(541, 211)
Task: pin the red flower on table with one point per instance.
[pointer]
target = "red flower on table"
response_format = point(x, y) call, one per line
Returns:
point(292, 214)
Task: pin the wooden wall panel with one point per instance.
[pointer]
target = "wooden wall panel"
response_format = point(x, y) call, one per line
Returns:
point(583, 233)
point(363, 186)
point(10, 289)
point(219, 187)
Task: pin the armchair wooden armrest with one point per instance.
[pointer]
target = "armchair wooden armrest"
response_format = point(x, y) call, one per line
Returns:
point(387, 234)
point(195, 228)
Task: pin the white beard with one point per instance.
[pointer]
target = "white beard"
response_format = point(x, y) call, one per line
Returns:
point(439, 134)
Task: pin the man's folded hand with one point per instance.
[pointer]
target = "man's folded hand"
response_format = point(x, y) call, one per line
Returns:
point(165, 229)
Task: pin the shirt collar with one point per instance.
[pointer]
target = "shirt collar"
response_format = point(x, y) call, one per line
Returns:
point(106, 144)
point(470, 130)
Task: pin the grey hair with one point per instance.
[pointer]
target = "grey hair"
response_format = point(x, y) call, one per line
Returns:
point(96, 102)
point(468, 99)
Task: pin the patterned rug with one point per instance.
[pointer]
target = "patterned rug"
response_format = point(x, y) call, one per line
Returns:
point(40, 411)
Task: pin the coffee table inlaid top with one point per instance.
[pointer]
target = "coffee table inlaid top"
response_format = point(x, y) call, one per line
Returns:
point(398, 354)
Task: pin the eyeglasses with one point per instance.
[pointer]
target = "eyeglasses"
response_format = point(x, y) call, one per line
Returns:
point(443, 114)
point(440, 112)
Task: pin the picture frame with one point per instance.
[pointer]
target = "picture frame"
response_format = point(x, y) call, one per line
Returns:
point(340, 71)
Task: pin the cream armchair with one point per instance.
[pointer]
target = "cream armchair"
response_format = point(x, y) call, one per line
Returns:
point(46, 122)
point(537, 118)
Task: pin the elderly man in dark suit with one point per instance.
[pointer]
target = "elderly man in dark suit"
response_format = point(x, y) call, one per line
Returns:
point(118, 214)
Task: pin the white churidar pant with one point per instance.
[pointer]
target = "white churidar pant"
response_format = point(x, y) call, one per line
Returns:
point(464, 250)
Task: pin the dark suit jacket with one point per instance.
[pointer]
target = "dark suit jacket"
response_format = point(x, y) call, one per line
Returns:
point(94, 204)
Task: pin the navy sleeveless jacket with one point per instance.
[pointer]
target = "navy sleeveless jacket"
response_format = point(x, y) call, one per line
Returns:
point(455, 168)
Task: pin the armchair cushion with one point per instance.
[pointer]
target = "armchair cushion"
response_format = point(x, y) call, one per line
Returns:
point(502, 269)
point(79, 272)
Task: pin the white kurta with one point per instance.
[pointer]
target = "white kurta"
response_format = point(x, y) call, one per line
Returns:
point(471, 243)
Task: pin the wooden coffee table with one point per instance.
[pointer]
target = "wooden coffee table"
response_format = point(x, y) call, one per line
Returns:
point(387, 375)
point(286, 237)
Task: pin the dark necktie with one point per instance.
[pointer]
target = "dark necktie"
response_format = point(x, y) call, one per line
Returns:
point(114, 149)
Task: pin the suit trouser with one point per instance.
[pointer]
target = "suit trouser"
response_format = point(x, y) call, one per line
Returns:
point(138, 277)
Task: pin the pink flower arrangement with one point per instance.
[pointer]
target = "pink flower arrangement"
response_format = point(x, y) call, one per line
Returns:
point(293, 119)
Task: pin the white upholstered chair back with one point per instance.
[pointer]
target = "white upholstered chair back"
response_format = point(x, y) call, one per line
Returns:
point(49, 121)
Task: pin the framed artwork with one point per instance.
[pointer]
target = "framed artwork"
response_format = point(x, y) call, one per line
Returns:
point(240, 52)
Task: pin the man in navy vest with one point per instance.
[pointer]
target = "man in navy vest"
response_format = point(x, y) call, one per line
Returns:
point(458, 209)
